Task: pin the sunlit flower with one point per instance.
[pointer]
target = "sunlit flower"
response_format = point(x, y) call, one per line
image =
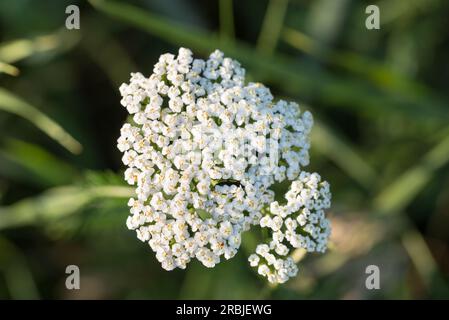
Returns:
point(203, 150)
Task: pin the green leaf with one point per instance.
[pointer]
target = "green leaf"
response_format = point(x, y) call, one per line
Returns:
point(8, 69)
point(18, 277)
point(420, 255)
point(226, 19)
point(395, 197)
point(56, 42)
point(37, 165)
point(293, 76)
point(203, 214)
point(57, 203)
point(378, 73)
point(104, 50)
point(13, 104)
point(330, 144)
point(272, 26)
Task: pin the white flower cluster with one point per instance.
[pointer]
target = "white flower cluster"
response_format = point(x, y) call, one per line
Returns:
point(300, 223)
point(203, 150)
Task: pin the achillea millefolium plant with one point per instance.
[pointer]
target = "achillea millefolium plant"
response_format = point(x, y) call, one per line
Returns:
point(204, 150)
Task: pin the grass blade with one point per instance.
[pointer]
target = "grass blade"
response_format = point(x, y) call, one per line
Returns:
point(35, 164)
point(272, 26)
point(403, 190)
point(16, 50)
point(378, 73)
point(18, 277)
point(337, 149)
point(57, 203)
point(13, 104)
point(227, 32)
point(8, 69)
point(294, 77)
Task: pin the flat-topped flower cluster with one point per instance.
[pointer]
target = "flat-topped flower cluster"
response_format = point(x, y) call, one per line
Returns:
point(204, 150)
point(300, 223)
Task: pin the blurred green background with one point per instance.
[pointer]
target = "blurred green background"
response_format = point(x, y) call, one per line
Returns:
point(379, 97)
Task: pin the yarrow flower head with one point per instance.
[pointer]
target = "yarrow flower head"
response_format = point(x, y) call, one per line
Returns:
point(204, 150)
